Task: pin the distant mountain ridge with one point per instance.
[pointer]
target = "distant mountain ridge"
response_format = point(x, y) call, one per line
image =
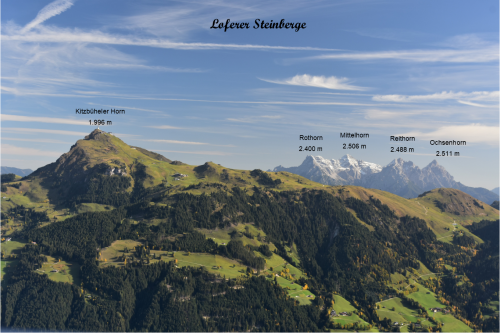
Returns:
point(19, 172)
point(400, 177)
point(344, 171)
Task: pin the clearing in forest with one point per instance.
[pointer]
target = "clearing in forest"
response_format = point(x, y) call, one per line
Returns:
point(61, 271)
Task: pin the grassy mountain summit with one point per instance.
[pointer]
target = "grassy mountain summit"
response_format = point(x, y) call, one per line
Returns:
point(96, 148)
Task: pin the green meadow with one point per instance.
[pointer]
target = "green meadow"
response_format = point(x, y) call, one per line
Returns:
point(223, 236)
point(343, 305)
point(7, 266)
point(61, 271)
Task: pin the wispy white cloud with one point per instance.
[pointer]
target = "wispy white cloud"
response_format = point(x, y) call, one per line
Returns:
point(52, 9)
point(143, 67)
point(272, 117)
point(380, 114)
point(59, 81)
point(218, 153)
point(131, 97)
point(59, 35)
point(389, 34)
point(14, 150)
point(241, 120)
point(187, 143)
point(92, 94)
point(454, 56)
point(306, 80)
point(165, 127)
point(10, 117)
point(472, 133)
point(254, 119)
point(125, 135)
point(59, 67)
point(127, 107)
point(46, 131)
point(478, 105)
point(35, 140)
point(180, 18)
point(445, 95)
point(467, 50)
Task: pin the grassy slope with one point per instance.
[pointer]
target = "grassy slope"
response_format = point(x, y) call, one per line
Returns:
point(221, 236)
point(12, 247)
point(403, 313)
point(9, 248)
point(491, 309)
point(229, 268)
point(341, 305)
point(426, 209)
point(428, 299)
point(66, 271)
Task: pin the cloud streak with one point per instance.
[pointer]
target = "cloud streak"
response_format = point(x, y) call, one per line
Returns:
point(483, 54)
point(254, 119)
point(127, 107)
point(306, 80)
point(472, 133)
point(46, 131)
point(10, 117)
point(14, 150)
point(98, 37)
point(445, 95)
point(187, 143)
point(35, 140)
point(218, 153)
point(52, 35)
point(165, 127)
point(52, 9)
point(93, 94)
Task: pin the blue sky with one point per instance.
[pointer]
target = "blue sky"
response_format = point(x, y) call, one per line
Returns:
point(241, 98)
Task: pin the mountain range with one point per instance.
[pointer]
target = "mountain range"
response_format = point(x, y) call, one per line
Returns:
point(19, 172)
point(400, 177)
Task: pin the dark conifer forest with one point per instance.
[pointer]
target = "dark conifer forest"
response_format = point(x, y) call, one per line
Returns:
point(339, 253)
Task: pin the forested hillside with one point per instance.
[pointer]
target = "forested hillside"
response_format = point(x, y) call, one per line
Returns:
point(238, 250)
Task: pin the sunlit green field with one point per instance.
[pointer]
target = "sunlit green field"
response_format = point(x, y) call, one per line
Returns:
point(403, 312)
point(11, 247)
point(222, 236)
point(343, 305)
point(304, 297)
point(427, 299)
point(6, 266)
point(116, 249)
point(68, 272)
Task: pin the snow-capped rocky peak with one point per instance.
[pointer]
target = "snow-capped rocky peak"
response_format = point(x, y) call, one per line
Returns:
point(368, 167)
point(346, 170)
point(348, 160)
point(396, 162)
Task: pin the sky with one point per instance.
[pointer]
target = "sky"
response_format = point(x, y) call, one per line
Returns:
point(243, 97)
